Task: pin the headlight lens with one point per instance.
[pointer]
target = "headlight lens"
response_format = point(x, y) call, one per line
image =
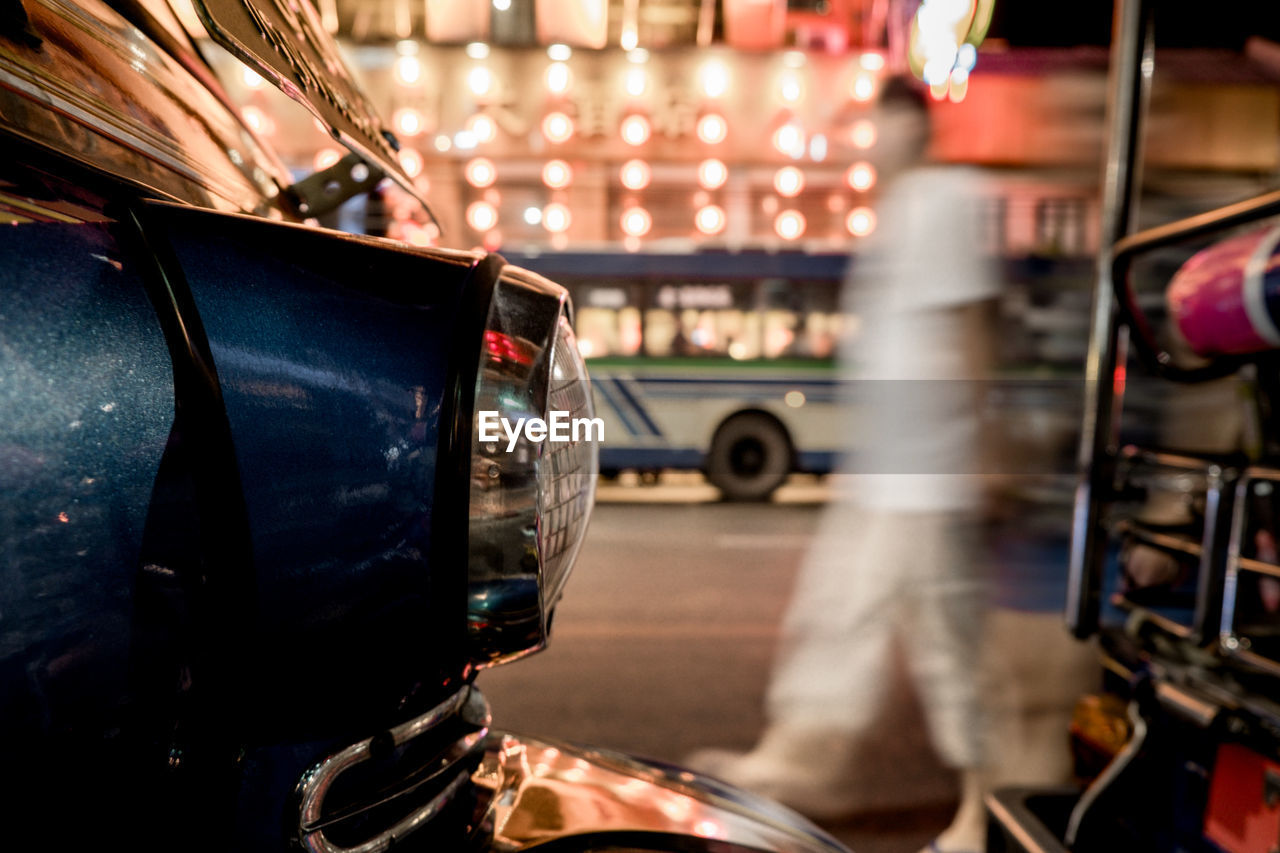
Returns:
point(531, 488)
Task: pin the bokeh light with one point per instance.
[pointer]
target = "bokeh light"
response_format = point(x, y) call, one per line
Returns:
point(789, 140)
point(559, 78)
point(411, 161)
point(864, 134)
point(710, 219)
point(863, 88)
point(635, 174)
point(482, 127)
point(636, 221)
point(408, 70)
point(861, 221)
point(481, 215)
point(861, 176)
point(481, 172)
point(635, 130)
point(789, 224)
point(557, 174)
point(556, 218)
point(788, 181)
point(712, 128)
point(712, 174)
point(557, 127)
point(408, 121)
point(327, 157)
point(714, 78)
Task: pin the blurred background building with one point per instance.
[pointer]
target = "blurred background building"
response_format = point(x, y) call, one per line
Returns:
point(679, 124)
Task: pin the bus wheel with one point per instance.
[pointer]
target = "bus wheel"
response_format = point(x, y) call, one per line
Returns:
point(750, 457)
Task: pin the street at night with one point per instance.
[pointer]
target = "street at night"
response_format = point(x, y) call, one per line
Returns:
point(664, 639)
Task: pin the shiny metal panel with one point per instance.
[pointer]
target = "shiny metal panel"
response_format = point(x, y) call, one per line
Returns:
point(97, 89)
point(544, 791)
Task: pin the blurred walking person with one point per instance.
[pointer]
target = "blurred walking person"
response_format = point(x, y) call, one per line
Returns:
point(898, 558)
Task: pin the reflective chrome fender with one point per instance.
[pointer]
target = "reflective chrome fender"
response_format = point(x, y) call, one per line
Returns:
point(544, 791)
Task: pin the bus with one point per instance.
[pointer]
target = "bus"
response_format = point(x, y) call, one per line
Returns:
point(725, 362)
point(718, 361)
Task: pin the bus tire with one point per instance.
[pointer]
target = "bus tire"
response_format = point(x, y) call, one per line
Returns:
point(750, 457)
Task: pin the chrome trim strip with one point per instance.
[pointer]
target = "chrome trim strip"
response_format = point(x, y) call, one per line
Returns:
point(316, 784)
point(317, 843)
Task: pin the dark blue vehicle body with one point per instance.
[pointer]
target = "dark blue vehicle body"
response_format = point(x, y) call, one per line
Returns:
point(219, 468)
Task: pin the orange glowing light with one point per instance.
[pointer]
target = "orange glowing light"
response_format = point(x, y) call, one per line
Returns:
point(863, 88)
point(557, 174)
point(712, 174)
point(559, 78)
point(482, 127)
point(710, 219)
point(480, 80)
point(712, 128)
point(481, 215)
point(481, 172)
point(714, 77)
point(408, 121)
point(872, 61)
point(556, 218)
point(258, 121)
point(411, 161)
point(408, 70)
point(861, 176)
point(636, 221)
point(557, 127)
point(788, 181)
point(789, 87)
point(417, 236)
point(864, 134)
point(635, 174)
point(861, 221)
point(635, 130)
point(789, 224)
point(326, 157)
point(789, 139)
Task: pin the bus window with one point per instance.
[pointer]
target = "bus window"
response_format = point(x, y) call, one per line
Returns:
point(713, 319)
point(607, 321)
point(801, 318)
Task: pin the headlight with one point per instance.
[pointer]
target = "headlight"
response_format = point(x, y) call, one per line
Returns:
point(534, 466)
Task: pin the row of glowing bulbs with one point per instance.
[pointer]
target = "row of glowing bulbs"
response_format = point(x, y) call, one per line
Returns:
point(713, 75)
point(558, 127)
point(789, 181)
point(636, 221)
point(709, 219)
point(636, 175)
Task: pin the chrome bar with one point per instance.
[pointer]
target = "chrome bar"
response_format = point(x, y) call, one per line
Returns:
point(1132, 63)
point(316, 784)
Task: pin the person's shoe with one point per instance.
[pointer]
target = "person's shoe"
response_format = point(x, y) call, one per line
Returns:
point(968, 830)
point(807, 769)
